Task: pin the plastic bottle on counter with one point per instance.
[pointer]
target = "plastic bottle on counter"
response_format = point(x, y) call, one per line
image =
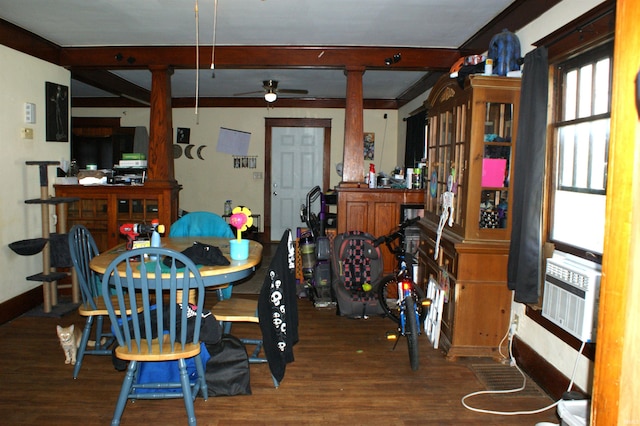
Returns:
point(372, 175)
point(488, 66)
point(155, 234)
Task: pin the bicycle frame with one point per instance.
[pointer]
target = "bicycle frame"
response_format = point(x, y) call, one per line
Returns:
point(405, 286)
point(403, 300)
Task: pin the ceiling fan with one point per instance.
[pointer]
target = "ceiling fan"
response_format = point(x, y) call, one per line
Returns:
point(270, 89)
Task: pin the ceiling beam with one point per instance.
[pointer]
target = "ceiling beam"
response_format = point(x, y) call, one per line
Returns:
point(109, 82)
point(243, 57)
point(24, 41)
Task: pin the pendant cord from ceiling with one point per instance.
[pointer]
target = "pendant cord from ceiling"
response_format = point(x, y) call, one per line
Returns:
point(197, 58)
point(213, 42)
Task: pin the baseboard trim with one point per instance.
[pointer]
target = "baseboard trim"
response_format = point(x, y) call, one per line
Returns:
point(13, 308)
point(549, 378)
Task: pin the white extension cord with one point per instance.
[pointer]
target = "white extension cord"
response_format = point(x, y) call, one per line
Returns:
point(513, 363)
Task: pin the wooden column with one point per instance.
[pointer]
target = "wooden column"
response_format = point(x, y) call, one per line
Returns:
point(616, 388)
point(353, 157)
point(160, 166)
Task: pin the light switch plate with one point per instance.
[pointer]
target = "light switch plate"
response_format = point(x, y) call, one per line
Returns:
point(29, 112)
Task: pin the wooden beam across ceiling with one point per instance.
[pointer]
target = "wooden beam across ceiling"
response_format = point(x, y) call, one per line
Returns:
point(109, 82)
point(243, 57)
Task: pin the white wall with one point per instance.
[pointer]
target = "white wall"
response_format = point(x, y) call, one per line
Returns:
point(23, 80)
point(554, 350)
point(208, 183)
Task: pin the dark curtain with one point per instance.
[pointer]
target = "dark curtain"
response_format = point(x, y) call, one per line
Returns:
point(414, 151)
point(525, 250)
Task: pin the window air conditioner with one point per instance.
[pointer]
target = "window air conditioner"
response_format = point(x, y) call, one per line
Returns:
point(571, 293)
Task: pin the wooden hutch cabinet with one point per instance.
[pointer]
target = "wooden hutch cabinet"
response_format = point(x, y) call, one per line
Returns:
point(103, 208)
point(470, 150)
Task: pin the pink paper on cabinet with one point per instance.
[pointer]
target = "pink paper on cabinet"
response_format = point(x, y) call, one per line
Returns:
point(493, 172)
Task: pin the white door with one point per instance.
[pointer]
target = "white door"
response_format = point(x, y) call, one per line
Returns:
point(296, 167)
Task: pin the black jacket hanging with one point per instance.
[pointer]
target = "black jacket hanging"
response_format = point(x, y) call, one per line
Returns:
point(278, 308)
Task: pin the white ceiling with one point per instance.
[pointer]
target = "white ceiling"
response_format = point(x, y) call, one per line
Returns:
point(390, 23)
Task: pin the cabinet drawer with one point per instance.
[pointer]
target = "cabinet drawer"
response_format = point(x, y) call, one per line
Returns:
point(450, 262)
point(427, 246)
point(447, 257)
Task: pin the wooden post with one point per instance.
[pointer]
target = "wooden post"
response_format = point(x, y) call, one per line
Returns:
point(353, 157)
point(160, 166)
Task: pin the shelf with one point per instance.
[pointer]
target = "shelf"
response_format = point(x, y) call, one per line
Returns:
point(53, 276)
point(52, 200)
point(470, 147)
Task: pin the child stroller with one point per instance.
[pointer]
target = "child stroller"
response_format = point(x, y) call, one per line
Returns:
point(316, 251)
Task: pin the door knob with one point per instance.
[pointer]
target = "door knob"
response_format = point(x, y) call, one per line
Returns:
point(275, 193)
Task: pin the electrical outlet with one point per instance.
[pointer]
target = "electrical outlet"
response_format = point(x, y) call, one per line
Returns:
point(257, 175)
point(515, 323)
point(26, 133)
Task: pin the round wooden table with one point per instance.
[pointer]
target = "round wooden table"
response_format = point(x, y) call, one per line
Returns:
point(212, 276)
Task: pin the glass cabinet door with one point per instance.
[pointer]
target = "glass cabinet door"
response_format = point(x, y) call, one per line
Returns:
point(446, 160)
point(496, 165)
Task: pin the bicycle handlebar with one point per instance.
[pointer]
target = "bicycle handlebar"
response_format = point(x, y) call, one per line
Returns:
point(397, 233)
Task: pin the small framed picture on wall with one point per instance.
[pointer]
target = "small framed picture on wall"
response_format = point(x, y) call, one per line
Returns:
point(369, 145)
point(57, 112)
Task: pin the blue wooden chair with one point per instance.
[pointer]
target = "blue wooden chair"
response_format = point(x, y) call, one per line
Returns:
point(83, 248)
point(204, 224)
point(166, 330)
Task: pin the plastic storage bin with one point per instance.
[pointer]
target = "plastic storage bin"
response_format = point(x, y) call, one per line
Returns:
point(574, 412)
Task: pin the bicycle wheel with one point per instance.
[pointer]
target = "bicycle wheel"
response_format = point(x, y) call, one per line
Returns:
point(411, 331)
point(390, 302)
point(388, 297)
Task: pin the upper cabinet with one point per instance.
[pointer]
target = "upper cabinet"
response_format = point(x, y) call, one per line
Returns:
point(470, 150)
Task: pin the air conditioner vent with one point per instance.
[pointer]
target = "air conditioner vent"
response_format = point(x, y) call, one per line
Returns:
point(571, 295)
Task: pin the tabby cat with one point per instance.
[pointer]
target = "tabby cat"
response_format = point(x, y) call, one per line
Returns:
point(69, 340)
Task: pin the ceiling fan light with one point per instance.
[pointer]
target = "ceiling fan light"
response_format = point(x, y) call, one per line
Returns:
point(270, 96)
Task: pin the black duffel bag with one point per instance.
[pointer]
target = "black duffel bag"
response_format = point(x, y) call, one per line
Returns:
point(227, 371)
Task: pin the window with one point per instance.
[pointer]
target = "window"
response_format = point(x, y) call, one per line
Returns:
point(581, 143)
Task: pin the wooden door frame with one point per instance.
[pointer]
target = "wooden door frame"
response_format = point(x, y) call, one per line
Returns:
point(270, 123)
point(616, 388)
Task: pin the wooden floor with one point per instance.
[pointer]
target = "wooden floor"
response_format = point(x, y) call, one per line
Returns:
point(344, 373)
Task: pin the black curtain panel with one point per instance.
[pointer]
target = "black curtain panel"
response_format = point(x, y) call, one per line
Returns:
point(414, 151)
point(525, 250)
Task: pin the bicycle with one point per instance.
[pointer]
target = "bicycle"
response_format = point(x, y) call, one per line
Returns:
point(401, 299)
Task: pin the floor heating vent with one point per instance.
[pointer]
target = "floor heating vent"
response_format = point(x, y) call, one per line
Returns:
point(571, 291)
